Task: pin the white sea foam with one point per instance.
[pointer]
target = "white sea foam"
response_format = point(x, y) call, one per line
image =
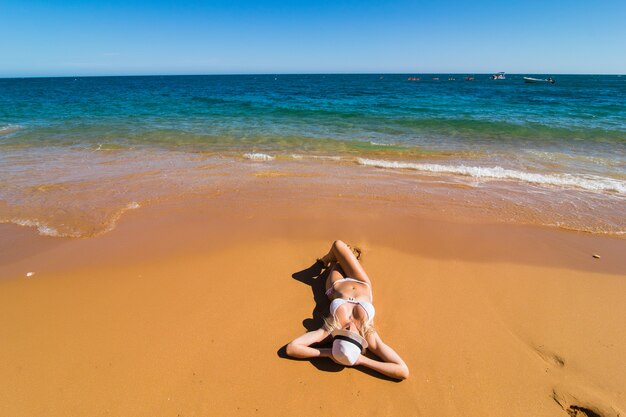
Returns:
point(42, 228)
point(327, 157)
point(51, 231)
point(258, 156)
point(380, 144)
point(47, 230)
point(586, 182)
point(116, 216)
point(8, 129)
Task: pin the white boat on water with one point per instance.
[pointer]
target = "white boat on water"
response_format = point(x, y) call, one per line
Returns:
point(531, 80)
point(498, 76)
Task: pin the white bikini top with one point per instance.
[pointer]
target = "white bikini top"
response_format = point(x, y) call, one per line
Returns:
point(367, 306)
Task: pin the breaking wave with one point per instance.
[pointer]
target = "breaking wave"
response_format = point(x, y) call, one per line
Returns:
point(586, 182)
point(322, 157)
point(258, 156)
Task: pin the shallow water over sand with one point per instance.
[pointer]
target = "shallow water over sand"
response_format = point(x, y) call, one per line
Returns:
point(76, 154)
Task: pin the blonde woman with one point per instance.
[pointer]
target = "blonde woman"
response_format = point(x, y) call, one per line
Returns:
point(350, 322)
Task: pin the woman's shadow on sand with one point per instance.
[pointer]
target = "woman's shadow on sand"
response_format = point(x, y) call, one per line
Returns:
point(315, 276)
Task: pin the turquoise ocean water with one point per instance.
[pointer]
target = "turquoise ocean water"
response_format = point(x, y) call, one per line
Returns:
point(62, 137)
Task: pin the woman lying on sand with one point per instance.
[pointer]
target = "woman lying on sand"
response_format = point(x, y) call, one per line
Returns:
point(351, 319)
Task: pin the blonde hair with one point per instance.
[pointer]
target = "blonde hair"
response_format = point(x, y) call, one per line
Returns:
point(331, 323)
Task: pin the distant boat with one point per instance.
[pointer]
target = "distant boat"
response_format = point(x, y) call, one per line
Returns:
point(435, 78)
point(498, 76)
point(469, 78)
point(531, 80)
point(451, 79)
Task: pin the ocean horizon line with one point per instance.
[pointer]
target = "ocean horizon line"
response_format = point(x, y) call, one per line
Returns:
point(253, 74)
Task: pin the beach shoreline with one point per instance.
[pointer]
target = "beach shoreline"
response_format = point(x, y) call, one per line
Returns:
point(76, 200)
point(184, 307)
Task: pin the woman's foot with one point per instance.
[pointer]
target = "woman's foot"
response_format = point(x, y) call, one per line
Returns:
point(325, 260)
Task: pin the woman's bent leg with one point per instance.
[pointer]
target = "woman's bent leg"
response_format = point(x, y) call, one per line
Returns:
point(348, 262)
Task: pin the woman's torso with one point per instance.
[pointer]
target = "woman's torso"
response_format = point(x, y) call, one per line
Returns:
point(351, 300)
point(348, 289)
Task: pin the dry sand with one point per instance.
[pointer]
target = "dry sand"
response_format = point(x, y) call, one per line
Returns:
point(184, 310)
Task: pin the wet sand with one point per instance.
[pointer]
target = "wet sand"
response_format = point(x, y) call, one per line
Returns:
point(184, 309)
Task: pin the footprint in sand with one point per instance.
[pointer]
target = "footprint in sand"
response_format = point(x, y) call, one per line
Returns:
point(550, 357)
point(583, 406)
point(587, 404)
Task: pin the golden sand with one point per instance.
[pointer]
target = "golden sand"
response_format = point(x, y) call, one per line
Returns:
point(184, 310)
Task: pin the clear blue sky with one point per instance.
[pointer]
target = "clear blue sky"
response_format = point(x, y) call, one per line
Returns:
point(40, 38)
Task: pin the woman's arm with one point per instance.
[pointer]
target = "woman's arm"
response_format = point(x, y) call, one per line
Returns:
point(391, 365)
point(301, 346)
